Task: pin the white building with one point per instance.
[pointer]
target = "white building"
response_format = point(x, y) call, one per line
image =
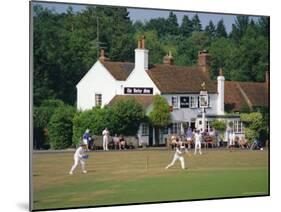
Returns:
point(107, 81)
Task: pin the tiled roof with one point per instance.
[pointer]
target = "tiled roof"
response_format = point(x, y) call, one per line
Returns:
point(256, 92)
point(240, 94)
point(233, 99)
point(180, 79)
point(119, 70)
point(145, 101)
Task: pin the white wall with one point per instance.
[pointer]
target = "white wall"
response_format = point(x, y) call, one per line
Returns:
point(139, 77)
point(97, 80)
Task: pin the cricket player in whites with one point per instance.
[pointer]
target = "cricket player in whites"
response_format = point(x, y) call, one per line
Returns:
point(180, 151)
point(198, 138)
point(79, 156)
point(105, 134)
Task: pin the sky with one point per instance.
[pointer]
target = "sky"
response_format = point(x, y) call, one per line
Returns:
point(147, 14)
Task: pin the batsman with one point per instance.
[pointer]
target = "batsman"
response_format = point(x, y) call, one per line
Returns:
point(180, 151)
point(80, 156)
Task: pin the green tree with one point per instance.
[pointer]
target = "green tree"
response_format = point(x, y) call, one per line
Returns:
point(60, 127)
point(220, 30)
point(127, 116)
point(239, 27)
point(196, 23)
point(186, 26)
point(254, 124)
point(172, 24)
point(222, 51)
point(210, 30)
point(219, 125)
point(41, 119)
point(263, 26)
point(160, 115)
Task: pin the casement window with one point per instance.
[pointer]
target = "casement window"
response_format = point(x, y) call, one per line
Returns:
point(175, 128)
point(144, 129)
point(238, 127)
point(175, 102)
point(98, 99)
point(193, 102)
point(165, 130)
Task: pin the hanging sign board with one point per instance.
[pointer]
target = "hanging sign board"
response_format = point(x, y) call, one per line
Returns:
point(203, 99)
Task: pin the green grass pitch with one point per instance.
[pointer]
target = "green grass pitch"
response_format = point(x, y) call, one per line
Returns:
point(124, 177)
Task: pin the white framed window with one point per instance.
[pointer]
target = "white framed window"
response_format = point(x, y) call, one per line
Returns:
point(175, 101)
point(165, 130)
point(193, 102)
point(98, 99)
point(238, 126)
point(144, 129)
point(175, 128)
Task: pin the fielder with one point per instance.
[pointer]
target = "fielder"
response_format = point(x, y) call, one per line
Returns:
point(105, 134)
point(198, 138)
point(79, 156)
point(180, 151)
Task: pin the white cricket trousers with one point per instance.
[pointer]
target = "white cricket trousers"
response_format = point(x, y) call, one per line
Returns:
point(76, 161)
point(176, 157)
point(105, 143)
point(197, 147)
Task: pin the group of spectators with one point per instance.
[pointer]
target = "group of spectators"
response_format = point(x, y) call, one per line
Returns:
point(117, 141)
point(213, 137)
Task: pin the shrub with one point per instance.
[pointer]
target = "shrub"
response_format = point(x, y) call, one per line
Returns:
point(160, 114)
point(60, 127)
point(126, 116)
point(123, 117)
point(41, 118)
point(250, 134)
point(218, 125)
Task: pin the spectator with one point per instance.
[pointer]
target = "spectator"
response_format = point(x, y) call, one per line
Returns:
point(256, 145)
point(189, 136)
point(231, 139)
point(243, 142)
point(122, 142)
point(116, 141)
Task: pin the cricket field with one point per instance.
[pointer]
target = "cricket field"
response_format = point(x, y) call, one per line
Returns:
point(138, 176)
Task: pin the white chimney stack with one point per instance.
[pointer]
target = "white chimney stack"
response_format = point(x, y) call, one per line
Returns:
point(141, 55)
point(220, 101)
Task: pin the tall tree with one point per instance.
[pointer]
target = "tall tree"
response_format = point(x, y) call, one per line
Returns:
point(239, 27)
point(186, 26)
point(172, 24)
point(263, 25)
point(196, 23)
point(220, 30)
point(210, 30)
point(160, 115)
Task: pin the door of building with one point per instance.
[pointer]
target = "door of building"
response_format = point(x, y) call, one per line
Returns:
point(150, 136)
point(192, 125)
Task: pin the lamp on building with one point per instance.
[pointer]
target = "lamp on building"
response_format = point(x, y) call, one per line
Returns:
point(203, 103)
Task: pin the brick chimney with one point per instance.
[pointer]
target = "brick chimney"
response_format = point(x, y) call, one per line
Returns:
point(102, 57)
point(168, 59)
point(204, 59)
point(141, 55)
